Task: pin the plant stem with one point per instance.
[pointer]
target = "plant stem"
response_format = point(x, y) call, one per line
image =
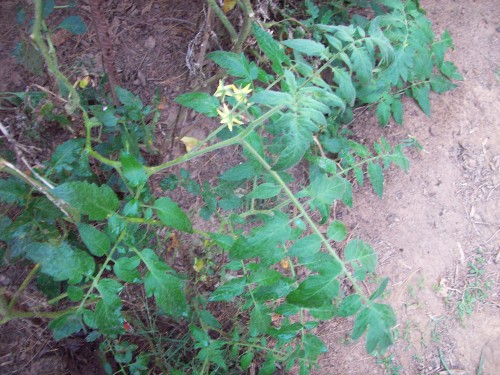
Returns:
point(23, 285)
point(307, 218)
point(222, 17)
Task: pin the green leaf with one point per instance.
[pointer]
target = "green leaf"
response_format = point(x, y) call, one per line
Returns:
point(383, 112)
point(378, 320)
point(265, 191)
point(66, 154)
point(306, 46)
point(397, 110)
point(74, 24)
point(376, 175)
point(66, 325)
point(167, 287)
point(450, 70)
point(109, 290)
point(171, 215)
point(271, 49)
point(239, 172)
point(246, 360)
point(229, 290)
point(337, 231)
point(208, 319)
point(108, 318)
point(89, 199)
point(272, 98)
point(61, 261)
point(306, 246)
point(313, 346)
point(380, 289)
point(201, 102)
point(13, 191)
point(362, 65)
point(350, 305)
point(75, 293)
point(236, 64)
point(260, 319)
point(134, 172)
point(441, 84)
point(361, 255)
point(315, 291)
point(47, 8)
point(96, 241)
point(263, 241)
point(346, 88)
point(421, 95)
point(126, 269)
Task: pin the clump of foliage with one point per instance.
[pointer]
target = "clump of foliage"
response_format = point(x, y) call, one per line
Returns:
point(91, 225)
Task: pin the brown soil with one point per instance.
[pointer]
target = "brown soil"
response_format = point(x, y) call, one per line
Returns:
point(429, 226)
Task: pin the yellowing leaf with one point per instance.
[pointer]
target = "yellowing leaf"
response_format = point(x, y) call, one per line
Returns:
point(285, 264)
point(228, 5)
point(190, 142)
point(84, 82)
point(198, 264)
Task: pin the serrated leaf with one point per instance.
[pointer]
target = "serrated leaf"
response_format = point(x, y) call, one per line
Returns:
point(441, 84)
point(450, 70)
point(240, 172)
point(421, 95)
point(306, 246)
point(74, 24)
point(229, 290)
point(260, 319)
point(336, 231)
point(272, 98)
point(201, 102)
point(359, 174)
point(263, 241)
point(108, 318)
point(306, 46)
point(89, 199)
point(75, 293)
point(362, 65)
point(96, 241)
point(314, 291)
point(350, 305)
point(271, 49)
point(313, 346)
point(126, 269)
point(236, 64)
point(361, 255)
point(380, 289)
point(383, 112)
point(66, 325)
point(133, 170)
point(13, 191)
point(246, 360)
point(376, 175)
point(208, 319)
point(265, 191)
point(346, 88)
point(397, 110)
point(167, 287)
point(171, 215)
point(47, 7)
point(61, 261)
point(377, 320)
point(109, 290)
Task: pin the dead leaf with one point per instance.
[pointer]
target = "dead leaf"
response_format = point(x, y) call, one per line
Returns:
point(228, 5)
point(198, 264)
point(190, 142)
point(174, 243)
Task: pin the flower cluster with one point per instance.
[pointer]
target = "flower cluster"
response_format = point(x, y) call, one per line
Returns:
point(228, 115)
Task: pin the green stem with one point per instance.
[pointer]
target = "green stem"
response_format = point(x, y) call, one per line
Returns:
point(307, 218)
point(248, 16)
point(23, 285)
point(222, 17)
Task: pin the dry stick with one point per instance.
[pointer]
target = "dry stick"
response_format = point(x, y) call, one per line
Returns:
point(108, 54)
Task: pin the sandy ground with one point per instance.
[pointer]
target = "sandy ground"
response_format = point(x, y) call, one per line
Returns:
point(442, 216)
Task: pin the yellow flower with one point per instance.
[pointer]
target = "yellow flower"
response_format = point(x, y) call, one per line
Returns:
point(228, 117)
point(223, 90)
point(241, 93)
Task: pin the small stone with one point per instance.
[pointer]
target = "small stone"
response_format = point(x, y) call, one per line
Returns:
point(150, 43)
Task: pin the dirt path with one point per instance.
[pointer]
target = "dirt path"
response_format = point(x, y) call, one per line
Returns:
point(436, 229)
